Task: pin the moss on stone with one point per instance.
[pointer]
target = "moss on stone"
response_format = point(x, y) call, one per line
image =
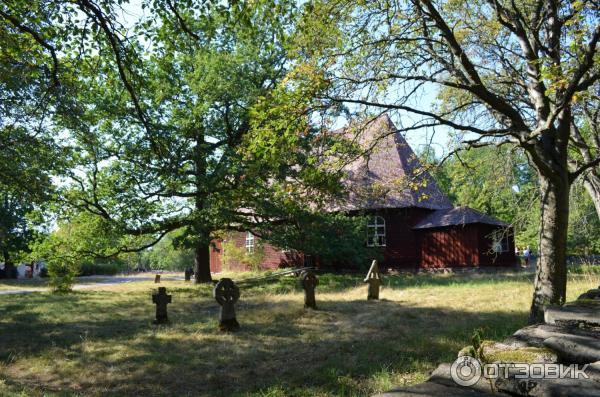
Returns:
point(498, 352)
point(521, 355)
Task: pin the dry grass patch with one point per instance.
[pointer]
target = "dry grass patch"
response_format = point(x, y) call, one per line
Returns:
point(102, 342)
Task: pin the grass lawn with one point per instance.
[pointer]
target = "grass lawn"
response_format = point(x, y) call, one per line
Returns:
point(102, 342)
point(23, 284)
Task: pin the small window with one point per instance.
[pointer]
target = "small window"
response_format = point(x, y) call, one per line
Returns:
point(249, 242)
point(376, 232)
point(500, 241)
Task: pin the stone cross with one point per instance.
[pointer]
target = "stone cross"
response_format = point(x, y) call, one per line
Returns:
point(157, 279)
point(188, 274)
point(226, 294)
point(374, 280)
point(161, 300)
point(309, 283)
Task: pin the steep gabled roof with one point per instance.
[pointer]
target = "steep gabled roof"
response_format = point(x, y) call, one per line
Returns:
point(456, 216)
point(391, 175)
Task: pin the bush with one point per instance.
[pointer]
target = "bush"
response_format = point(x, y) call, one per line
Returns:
point(585, 268)
point(97, 268)
point(62, 276)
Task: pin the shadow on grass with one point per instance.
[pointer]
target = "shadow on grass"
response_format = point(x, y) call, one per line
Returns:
point(332, 282)
point(92, 344)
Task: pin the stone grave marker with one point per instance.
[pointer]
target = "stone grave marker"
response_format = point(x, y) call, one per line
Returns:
point(188, 274)
point(591, 294)
point(309, 283)
point(374, 280)
point(161, 300)
point(226, 293)
point(157, 279)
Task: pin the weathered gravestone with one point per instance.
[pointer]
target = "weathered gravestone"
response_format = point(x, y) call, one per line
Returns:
point(309, 283)
point(226, 294)
point(157, 279)
point(188, 274)
point(374, 280)
point(161, 300)
point(591, 294)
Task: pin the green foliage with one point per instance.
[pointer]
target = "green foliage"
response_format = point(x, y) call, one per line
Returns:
point(233, 254)
point(334, 238)
point(588, 269)
point(168, 255)
point(498, 182)
point(584, 224)
point(62, 275)
point(25, 186)
point(81, 240)
point(477, 345)
point(110, 268)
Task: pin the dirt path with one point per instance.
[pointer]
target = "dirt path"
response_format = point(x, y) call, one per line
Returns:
point(88, 282)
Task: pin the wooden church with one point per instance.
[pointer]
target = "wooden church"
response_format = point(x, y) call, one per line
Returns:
point(410, 218)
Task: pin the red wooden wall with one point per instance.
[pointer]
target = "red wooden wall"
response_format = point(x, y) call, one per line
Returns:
point(449, 247)
point(402, 249)
point(216, 248)
point(463, 246)
point(274, 257)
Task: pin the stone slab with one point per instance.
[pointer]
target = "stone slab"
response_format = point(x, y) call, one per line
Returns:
point(433, 389)
point(549, 387)
point(582, 312)
point(534, 335)
point(442, 376)
point(574, 349)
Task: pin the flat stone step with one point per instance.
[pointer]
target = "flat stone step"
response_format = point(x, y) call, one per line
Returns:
point(433, 389)
point(585, 313)
point(442, 376)
point(549, 387)
point(534, 335)
point(575, 349)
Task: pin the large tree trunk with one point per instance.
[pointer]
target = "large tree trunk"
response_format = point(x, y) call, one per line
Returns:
point(202, 255)
point(550, 285)
point(202, 263)
point(591, 182)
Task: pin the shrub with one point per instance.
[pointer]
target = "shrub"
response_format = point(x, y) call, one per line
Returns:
point(232, 254)
point(98, 268)
point(584, 268)
point(62, 276)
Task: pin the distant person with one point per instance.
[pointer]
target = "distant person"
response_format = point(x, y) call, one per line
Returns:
point(526, 255)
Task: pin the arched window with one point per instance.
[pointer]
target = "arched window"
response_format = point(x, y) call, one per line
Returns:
point(249, 242)
point(376, 232)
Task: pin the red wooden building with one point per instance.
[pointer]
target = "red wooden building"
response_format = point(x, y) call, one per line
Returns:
point(410, 218)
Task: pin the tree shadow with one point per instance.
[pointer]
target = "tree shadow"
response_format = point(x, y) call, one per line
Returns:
point(112, 348)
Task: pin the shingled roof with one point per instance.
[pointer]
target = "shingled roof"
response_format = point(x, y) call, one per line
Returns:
point(456, 216)
point(390, 175)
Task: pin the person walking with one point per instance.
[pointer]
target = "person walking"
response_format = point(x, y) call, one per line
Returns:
point(526, 255)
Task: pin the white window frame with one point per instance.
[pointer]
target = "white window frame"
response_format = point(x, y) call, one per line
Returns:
point(376, 238)
point(249, 242)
